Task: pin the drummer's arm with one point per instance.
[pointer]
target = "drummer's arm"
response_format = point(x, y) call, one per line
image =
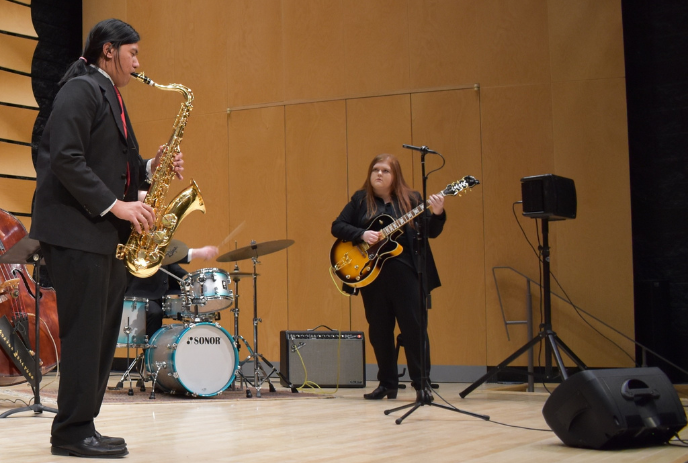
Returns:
point(205, 253)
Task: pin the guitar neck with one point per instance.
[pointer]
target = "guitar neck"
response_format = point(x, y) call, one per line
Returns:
point(406, 218)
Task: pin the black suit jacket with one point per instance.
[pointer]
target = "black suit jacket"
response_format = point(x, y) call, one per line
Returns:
point(81, 168)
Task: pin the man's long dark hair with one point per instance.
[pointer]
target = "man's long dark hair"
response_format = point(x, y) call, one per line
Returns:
point(112, 31)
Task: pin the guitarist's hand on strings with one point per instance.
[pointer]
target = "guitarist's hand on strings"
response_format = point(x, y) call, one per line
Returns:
point(371, 237)
point(436, 204)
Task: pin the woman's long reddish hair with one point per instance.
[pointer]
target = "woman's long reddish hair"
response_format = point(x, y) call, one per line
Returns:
point(399, 188)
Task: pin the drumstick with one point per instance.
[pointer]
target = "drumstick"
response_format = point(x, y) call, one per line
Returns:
point(234, 232)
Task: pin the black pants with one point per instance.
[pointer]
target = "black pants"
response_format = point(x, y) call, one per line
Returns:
point(90, 295)
point(394, 296)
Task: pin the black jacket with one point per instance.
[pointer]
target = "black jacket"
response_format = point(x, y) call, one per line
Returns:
point(81, 168)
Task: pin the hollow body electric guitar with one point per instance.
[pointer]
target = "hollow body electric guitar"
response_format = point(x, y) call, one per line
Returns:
point(358, 265)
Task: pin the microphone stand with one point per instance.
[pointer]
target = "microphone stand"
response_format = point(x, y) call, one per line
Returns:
point(424, 396)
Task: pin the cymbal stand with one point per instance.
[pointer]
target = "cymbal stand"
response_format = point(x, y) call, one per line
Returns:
point(238, 337)
point(259, 374)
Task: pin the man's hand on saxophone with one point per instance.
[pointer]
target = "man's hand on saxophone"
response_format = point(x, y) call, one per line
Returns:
point(141, 215)
point(178, 162)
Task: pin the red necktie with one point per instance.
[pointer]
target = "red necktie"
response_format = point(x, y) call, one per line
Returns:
point(121, 107)
point(124, 124)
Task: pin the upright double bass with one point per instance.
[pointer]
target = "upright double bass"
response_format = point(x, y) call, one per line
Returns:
point(18, 304)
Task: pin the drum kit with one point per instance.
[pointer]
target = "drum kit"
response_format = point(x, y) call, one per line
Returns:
point(197, 356)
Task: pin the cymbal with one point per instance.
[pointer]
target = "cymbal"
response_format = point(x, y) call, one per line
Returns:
point(255, 250)
point(240, 275)
point(175, 252)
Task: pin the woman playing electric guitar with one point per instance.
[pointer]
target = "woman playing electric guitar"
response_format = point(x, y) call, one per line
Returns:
point(393, 296)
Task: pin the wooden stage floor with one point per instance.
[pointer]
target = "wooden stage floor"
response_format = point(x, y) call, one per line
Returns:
point(338, 427)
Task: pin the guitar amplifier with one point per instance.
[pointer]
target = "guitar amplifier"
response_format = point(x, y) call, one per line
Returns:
point(331, 358)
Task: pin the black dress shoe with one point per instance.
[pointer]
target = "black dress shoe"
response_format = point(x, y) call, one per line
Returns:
point(109, 440)
point(90, 448)
point(380, 393)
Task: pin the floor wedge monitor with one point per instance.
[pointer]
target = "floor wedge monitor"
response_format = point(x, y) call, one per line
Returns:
point(615, 409)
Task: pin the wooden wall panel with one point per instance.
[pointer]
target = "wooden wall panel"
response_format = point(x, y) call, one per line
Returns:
point(16, 53)
point(257, 186)
point(517, 142)
point(92, 12)
point(586, 39)
point(314, 58)
point(449, 122)
point(16, 89)
point(595, 250)
point(491, 42)
point(316, 192)
point(158, 50)
point(16, 195)
point(201, 46)
point(255, 68)
point(16, 124)
point(376, 46)
point(16, 18)
point(16, 160)
point(513, 42)
point(444, 42)
point(374, 126)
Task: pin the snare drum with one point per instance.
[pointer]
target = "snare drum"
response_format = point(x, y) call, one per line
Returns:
point(134, 320)
point(198, 359)
point(173, 306)
point(208, 288)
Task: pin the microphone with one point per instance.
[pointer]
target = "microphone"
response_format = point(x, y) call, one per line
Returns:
point(419, 148)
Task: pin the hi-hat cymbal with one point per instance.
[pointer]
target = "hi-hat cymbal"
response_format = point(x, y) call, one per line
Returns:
point(175, 252)
point(240, 275)
point(255, 250)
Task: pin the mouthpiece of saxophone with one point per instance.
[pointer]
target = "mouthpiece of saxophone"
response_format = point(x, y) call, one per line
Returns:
point(143, 78)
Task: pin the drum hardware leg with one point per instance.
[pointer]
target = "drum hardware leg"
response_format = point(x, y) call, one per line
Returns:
point(159, 366)
point(239, 373)
point(127, 374)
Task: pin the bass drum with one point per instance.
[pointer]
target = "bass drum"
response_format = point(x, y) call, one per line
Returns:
point(194, 359)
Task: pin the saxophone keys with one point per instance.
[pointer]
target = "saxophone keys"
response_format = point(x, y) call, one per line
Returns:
point(159, 237)
point(169, 220)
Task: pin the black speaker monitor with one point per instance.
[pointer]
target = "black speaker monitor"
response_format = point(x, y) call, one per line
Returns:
point(615, 409)
point(548, 196)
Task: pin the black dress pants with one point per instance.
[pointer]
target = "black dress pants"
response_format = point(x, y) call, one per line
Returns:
point(90, 295)
point(394, 296)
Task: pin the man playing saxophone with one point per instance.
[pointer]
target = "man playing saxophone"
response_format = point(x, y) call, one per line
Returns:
point(89, 171)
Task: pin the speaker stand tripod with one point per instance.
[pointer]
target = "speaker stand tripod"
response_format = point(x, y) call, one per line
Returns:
point(27, 251)
point(553, 342)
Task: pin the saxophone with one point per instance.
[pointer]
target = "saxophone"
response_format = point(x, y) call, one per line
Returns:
point(144, 252)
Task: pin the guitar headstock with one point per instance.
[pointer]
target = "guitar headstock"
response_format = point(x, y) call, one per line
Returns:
point(466, 183)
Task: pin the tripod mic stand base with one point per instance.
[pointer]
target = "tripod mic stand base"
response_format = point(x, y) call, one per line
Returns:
point(426, 400)
point(36, 408)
